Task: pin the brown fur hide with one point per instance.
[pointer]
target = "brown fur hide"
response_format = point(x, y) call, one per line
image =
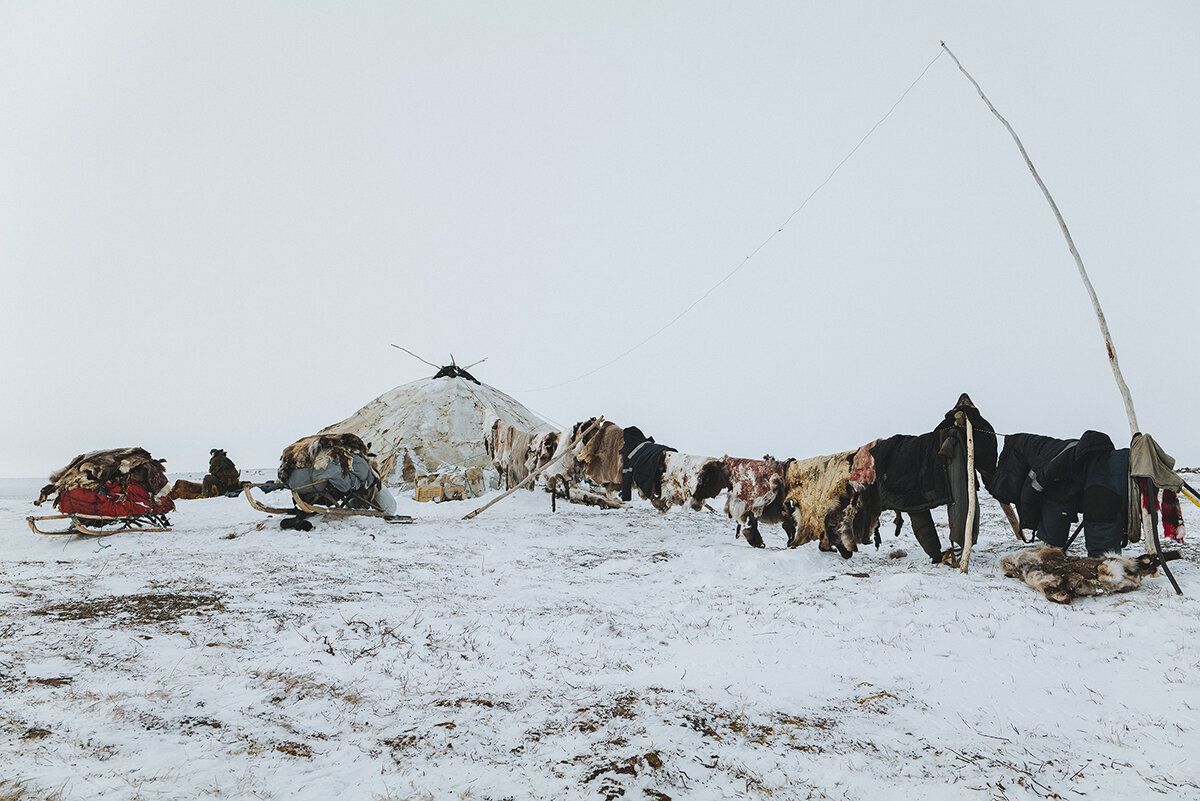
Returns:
point(510, 449)
point(567, 469)
point(408, 469)
point(601, 456)
point(517, 468)
point(183, 490)
point(1063, 578)
point(94, 470)
point(319, 450)
point(826, 505)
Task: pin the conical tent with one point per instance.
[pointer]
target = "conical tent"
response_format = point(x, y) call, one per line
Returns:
point(435, 425)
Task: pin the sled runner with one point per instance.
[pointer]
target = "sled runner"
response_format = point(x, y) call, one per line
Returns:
point(92, 525)
point(303, 506)
point(271, 510)
point(348, 506)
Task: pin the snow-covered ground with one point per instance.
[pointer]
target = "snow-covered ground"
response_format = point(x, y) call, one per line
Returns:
point(583, 654)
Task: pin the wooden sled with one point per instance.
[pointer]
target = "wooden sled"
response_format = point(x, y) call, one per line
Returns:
point(271, 510)
point(304, 507)
point(129, 524)
point(313, 509)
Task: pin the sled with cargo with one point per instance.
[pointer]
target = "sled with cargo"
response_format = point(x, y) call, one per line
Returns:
point(107, 492)
point(330, 474)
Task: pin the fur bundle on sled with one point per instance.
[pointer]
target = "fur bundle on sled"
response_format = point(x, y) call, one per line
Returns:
point(1063, 578)
point(318, 451)
point(92, 471)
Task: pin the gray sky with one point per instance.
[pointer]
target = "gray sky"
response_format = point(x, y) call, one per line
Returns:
point(215, 217)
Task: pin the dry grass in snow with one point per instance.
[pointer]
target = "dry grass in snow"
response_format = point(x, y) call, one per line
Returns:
point(584, 654)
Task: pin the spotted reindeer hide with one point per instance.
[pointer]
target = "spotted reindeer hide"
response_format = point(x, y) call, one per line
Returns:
point(690, 481)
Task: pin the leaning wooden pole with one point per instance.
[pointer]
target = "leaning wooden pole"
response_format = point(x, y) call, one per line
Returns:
point(1087, 283)
point(533, 475)
point(1013, 520)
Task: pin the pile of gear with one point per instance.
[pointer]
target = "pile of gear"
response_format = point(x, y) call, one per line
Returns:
point(334, 471)
point(125, 487)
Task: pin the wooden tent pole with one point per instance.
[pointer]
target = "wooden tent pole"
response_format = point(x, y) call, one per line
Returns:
point(1087, 283)
point(1147, 532)
point(971, 496)
point(533, 475)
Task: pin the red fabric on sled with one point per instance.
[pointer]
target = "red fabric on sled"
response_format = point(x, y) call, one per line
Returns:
point(113, 501)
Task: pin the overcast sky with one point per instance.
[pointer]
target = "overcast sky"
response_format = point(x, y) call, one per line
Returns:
point(215, 217)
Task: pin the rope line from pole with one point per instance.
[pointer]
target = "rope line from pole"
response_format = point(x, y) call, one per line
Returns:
point(778, 230)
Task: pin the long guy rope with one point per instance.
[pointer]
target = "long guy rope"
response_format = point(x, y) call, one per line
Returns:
point(778, 230)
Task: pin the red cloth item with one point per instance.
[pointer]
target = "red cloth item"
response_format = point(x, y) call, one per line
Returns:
point(1172, 516)
point(113, 501)
point(1169, 510)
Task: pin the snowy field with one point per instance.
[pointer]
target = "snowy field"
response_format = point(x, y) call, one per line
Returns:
point(579, 655)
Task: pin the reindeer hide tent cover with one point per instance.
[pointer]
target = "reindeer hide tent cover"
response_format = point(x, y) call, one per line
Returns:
point(435, 425)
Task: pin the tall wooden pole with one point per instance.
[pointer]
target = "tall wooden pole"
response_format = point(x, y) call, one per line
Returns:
point(1087, 283)
point(971, 496)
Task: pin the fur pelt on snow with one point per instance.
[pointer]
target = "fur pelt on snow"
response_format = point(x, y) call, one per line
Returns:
point(1063, 578)
point(319, 450)
point(756, 494)
point(827, 504)
point(94, 470)
point(184, 490)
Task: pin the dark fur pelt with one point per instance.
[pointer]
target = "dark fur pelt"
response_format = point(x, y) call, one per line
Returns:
point(1064, 578)
point(318, 451)
point(94, 470)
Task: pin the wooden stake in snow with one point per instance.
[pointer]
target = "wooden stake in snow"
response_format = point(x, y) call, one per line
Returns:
point(1087, 283)
point(969, 534)
point(1013, 520)
point(529, 478)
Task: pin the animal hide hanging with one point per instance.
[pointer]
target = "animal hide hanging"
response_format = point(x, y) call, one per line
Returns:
point(601, 456)
point(756, 487)
point(828, 505)
point(518, 459)
point(542, 450)
point(690, 481)
point(1170, 512)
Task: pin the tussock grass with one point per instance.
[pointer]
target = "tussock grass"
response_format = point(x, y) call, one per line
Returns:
point(138, 609)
